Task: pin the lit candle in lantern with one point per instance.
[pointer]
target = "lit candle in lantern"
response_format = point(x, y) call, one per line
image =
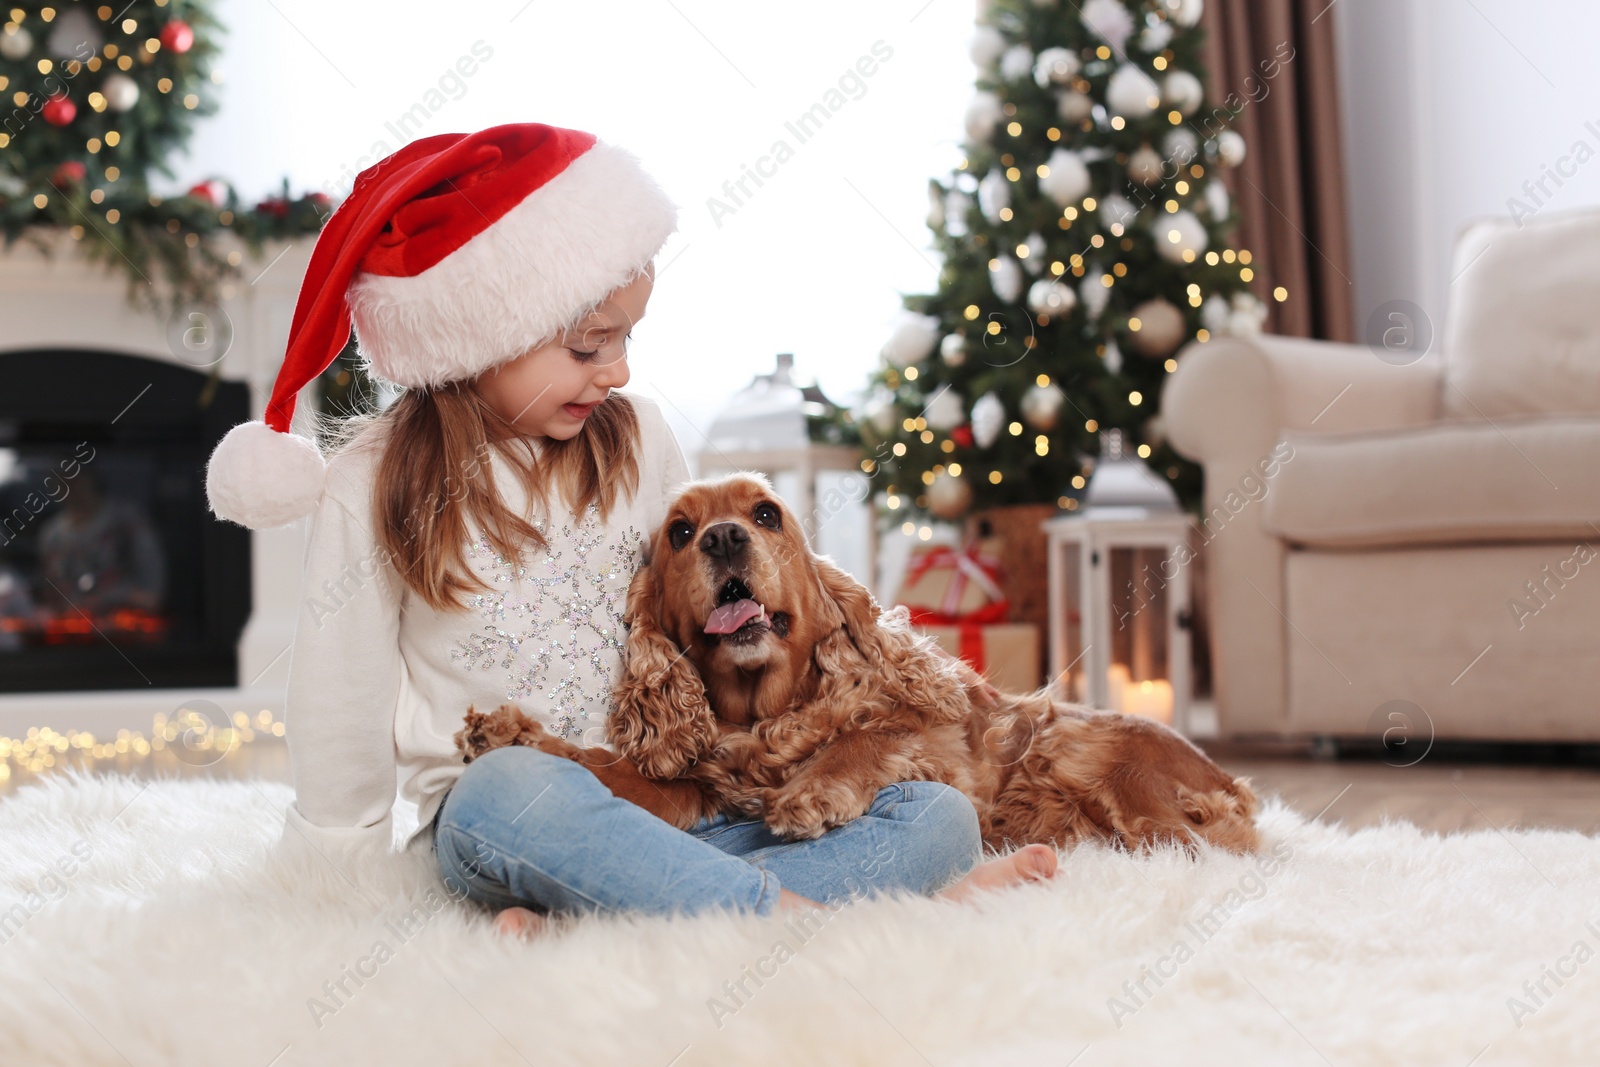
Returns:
point(1117, 679)
point(1150, 698)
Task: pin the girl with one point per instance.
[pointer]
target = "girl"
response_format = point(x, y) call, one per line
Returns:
point(472, 545)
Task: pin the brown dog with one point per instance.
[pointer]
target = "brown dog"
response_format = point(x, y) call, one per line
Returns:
point(763, 680)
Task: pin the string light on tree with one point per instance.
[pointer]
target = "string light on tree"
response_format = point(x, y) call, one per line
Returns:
point(1096, 204)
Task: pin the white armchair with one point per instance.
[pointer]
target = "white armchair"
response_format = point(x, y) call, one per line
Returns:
point(1426, 533)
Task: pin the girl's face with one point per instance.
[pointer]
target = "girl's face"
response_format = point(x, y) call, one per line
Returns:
point(549, 391)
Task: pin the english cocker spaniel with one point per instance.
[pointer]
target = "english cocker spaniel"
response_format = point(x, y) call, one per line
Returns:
point(763, 680)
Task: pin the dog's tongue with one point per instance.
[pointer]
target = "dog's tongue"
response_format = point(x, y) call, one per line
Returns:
point(729, 617)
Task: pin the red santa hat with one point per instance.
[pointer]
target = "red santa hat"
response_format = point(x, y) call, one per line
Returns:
point(453, 255)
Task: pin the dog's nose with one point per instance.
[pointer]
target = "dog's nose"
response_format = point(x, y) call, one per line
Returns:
point(725, 540)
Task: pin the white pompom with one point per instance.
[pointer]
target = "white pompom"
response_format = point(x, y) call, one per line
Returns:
point(261, 478)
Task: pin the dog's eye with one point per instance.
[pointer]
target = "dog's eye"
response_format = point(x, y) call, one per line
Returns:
point(679, 533)
point(768, 515)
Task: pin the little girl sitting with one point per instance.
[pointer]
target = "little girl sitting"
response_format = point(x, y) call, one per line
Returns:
point(473, 545)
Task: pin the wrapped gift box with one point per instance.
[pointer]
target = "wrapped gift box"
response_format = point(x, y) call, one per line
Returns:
point(1007, 653)
point(957, 597)
point(956, 584)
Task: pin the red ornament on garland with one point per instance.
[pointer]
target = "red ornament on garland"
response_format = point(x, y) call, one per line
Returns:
point(275, 206)
point(59, 110)
point(209, 191)
point(177, 36)
point(962, 435)
point(69, 173)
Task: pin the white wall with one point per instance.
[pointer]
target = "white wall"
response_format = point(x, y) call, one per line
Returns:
point(1450, 106)
point(697, 89)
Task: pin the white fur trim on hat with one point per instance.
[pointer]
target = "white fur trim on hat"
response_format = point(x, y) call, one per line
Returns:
point(261, 478)
point(519, 283)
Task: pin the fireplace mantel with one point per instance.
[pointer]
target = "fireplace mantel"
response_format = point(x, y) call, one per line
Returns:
point(60, 299)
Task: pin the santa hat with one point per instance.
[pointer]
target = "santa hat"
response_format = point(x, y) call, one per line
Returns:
point(453, 255)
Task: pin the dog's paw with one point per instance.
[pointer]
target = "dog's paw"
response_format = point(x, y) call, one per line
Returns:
point(810, 808)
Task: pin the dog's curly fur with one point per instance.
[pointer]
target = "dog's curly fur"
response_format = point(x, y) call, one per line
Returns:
point(803, 715)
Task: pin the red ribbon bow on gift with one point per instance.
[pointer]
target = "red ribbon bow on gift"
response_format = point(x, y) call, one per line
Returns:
point(969, 566)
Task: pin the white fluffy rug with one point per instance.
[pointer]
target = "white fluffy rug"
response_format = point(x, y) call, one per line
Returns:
point(172, 934)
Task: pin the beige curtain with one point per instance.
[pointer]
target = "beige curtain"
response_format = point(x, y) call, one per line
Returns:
point(1273, 70)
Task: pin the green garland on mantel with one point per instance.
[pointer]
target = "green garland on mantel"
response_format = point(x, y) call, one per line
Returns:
point(174, 249)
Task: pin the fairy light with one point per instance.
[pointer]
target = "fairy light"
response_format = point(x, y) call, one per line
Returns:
point(44, 748)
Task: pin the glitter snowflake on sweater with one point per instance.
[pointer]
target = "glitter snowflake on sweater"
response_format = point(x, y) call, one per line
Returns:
point(553, 620)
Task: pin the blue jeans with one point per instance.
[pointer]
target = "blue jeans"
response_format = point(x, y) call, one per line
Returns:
point(521, 827)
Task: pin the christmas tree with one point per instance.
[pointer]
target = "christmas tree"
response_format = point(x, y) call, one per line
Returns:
point(1084, 240)
point(99, 98)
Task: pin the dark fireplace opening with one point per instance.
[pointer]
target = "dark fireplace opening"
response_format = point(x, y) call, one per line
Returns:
point(113, 575)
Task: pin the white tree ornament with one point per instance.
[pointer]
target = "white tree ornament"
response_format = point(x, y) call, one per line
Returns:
point(953, 350)
point(1005, 278)
point(1145, 165)
point(1161, 328)
point(1182, 92)
point(1056, 66)
point(1048, 296)
point(1041, 406)
point(988, 417)
point(912, 340)
point(983, 115)
point(1178, 234)
point(1072, 107)
point(1117, 210)
point(987, 46)
point(1185, 13)
point(1131, 92)
point(994, 195)
point(1108, 20)
point(1017, 63)
point(1095, 296)
point(949, 496)
point(1067, 180)
point(1230, 148)
point(945, 411)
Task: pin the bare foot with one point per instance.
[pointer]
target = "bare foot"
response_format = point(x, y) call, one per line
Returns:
point(795, 902)
point(519, 923)
point(1031, 863)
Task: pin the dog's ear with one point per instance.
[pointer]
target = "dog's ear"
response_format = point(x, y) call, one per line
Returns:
point(919, 677)
point(663, 722)
point(858, 611)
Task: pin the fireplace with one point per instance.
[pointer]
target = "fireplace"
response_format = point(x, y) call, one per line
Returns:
point(112, 573)
point(121, 598)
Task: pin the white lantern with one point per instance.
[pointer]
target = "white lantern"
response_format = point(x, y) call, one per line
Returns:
point(1119, 593)
point(765, 427)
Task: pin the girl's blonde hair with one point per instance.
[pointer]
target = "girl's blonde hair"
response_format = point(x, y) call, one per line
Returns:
point(435, 479)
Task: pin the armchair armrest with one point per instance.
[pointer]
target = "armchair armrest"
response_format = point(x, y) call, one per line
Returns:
point(1235, 397)
point(1228, 405)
